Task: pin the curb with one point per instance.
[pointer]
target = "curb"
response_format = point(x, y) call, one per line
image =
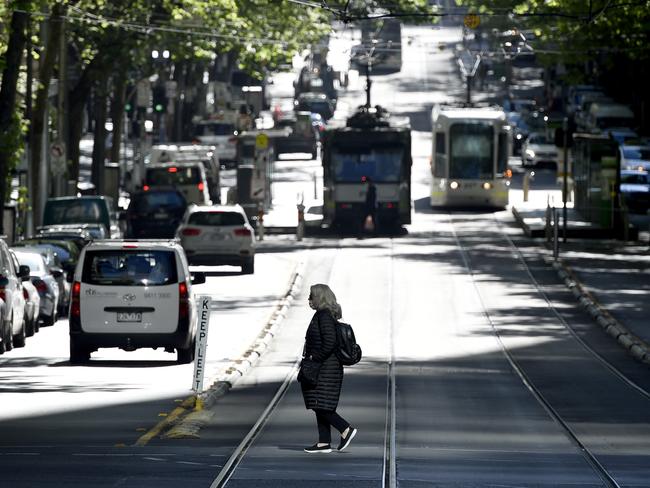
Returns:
point(189, 426)
point(637, 347)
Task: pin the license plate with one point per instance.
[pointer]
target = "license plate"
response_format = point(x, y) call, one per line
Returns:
point(129, 316)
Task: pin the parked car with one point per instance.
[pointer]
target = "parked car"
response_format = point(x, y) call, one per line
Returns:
point(156, 213)
point(539, 150)
point(67, 251)
point(12, 323)
point(44, 281)
point(218, 235)
point(32, 301)
point(130, 295)
point(188, 177)
point(79, 234)
point(635, 189)
point(316, 103)
point(97, 210)
point(56, 269)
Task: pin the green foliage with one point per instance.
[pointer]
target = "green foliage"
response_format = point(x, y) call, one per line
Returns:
point(12, 142)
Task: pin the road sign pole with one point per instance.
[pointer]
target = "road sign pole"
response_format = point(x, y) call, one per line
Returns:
point(565, 178)
point(203, 312)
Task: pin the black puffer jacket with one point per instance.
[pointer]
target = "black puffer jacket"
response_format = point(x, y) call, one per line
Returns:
point(320, 342)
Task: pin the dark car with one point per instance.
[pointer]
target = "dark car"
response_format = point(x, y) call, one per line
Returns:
point(303, 137)
point(82, 210)
point(316, 103)
point(155, 213)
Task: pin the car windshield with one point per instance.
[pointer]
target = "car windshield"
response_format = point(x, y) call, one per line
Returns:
point(129, 268)
point(381, 164)
point(471, 147)
point(634, 179)
point(214, 129)
point(78, 211)
point(216, 218)
point(539, 139)
point(173, 175)
point(637, 153)
point(33, 260)
point(159, 200)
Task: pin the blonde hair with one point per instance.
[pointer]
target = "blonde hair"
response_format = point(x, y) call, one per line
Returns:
point(323, 298)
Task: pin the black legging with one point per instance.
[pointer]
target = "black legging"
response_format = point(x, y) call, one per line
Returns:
point(325, 419)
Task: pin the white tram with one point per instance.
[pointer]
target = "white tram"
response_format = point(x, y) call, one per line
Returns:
point(469, 160)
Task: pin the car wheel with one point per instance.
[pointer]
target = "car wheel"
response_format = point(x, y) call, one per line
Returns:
point(48, 321)
point(36, 324)
point(8, 337)
point(248, 267)
point(30, 327)
point(185, 355)
point(19, 339)
point(78, 353)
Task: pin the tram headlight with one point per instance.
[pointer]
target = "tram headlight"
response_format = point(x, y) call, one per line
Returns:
point(487, 185)
point(454, 185)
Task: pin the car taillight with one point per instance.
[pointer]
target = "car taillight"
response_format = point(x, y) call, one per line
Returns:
point(40, 285)
point(183, 301)
point(201, 186)
point(232, 139)
point(145, 188)
point(75, 306)
point(242, 232)
point(190, 231)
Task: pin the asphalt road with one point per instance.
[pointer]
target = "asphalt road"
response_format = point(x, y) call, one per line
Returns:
point(470, 375)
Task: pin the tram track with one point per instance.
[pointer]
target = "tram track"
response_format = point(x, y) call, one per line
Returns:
point(574, 438)
point(388, 476)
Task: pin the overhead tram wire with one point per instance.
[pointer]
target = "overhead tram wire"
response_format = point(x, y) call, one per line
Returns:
point(590, 457)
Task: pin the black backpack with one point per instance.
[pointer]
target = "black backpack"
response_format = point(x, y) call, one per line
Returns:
point(348, 351)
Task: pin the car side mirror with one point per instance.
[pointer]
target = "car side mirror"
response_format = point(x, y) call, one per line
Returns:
point(69, 277)
point(23, 272)
point(57, 273)
point(198, 278)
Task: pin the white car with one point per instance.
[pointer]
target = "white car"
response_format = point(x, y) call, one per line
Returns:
point(218, 235)
point(220, 133)
point(32, 301)
point(12, 323)
point(133, 294)
point(539, 150)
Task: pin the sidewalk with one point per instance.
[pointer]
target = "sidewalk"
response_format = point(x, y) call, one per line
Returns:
point(610, 278)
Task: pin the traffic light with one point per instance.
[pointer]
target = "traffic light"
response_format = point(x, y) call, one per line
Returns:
point(159, 99)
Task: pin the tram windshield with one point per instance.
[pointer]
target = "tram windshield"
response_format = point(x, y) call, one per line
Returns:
point(382, 164)
point(471, 149)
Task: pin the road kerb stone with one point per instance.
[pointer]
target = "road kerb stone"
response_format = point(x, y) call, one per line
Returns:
point(637, 348)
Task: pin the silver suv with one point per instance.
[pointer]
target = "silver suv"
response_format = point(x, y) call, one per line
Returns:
point(12, 323)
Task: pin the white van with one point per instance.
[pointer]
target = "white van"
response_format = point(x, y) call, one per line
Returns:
point(189, 178)
point(181, 153)
point(607, 115)
point(130, 295)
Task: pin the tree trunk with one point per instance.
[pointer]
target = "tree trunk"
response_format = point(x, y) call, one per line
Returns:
point(78, 98)
point(117, 114)
point(52, 44)
point(13, 60)
point(99, 141)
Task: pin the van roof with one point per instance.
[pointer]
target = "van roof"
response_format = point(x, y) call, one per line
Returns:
point(611, 110)
point(145, 244)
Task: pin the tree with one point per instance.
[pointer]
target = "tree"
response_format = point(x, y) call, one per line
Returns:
point(10, 123)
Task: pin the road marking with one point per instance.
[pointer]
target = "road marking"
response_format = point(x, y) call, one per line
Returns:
point(184, 408)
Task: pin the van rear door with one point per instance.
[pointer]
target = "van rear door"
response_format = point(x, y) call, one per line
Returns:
point(129, 291)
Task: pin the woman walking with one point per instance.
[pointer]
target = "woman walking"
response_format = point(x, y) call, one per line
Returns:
point(320, 344)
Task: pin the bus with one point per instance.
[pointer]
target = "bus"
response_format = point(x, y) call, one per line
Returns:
point(368, 148)
point(469, 160)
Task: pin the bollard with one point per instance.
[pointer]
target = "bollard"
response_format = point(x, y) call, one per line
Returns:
point(556, 241)
point(300, 228)
point(260, 223)
point(528, 177)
